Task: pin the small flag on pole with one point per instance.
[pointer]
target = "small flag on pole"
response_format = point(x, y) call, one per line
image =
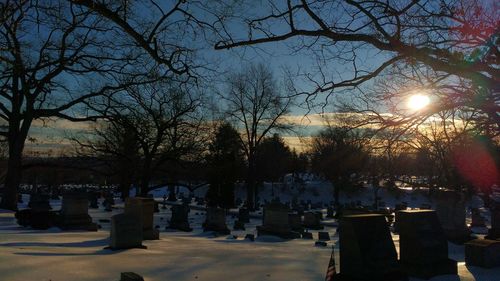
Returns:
point(331, 271)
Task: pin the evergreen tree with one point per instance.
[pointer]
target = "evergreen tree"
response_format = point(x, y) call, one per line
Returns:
point(225, 161)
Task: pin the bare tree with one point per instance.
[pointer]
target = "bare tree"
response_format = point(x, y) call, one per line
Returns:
point(339, 154)
point(57, 56)
point(257, 105)
point(458, 41)
point(153, 124)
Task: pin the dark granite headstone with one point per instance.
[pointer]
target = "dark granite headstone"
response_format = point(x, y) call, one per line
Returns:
point(74, 212)
point(450, 209)
point(143, 209)
point(425, 207)
point(367, 251)
point(216, 221)
point(179, 220)
point(295, 222)
point(250, 237)
point(307, 235)
point(329, 212)
point(244, 215)
point(126, 232)
point(494, 231)
point(130, 276)
point(239, 225)
point(312, 220)
point(477, 219)
point(483, 253)
point(423, 246)
point(275, 222)
point(36, 219)
point(320, 244)
point(323, 236)
point(93, 200)
point(39, 202)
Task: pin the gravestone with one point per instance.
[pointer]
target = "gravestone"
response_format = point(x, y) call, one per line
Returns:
point(398, 207)
point(319, 214)
point(423, 248)
point(108, 200)
point(130, 276)
point(323, 236)
point(320, 244)
point(239, 225)
point(143, 209)
point(107, 206)
point(39, 202)
point(483, 253)
point(329, 212)
point(424, 206)
point(250, 237)
point(450, 209)
point(93, 200)
point(238, 202)
point(216, 221)
point(74, 214)
point(244, 215)
point(367, 251)
point(179, 220)
point(126, 232)
point(35, 219)
point(494, 231)
point(307, 235)
point(476, 219)
point(39, 216)
point(275, 222)
point(312, 221)
point(295, 221)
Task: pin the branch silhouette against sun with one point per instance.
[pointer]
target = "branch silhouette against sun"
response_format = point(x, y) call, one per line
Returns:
point(459, 41)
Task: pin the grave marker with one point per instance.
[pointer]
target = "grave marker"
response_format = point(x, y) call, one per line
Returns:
point(179, 220)
point(74, 214)
point(275, 222)
point(143, 210)
point(126, 232)
point(367, 251)
point(216, 221)
point(423, 246)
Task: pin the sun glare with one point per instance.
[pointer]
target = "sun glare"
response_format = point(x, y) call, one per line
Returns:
point(418, 101)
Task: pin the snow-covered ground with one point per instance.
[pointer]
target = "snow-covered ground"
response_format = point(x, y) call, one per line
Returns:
point(27, 254)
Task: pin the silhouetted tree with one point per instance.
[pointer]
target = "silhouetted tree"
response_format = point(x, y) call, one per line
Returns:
point(257, 104)
point(117, 146)
point(58, 56)
point(226, 165)
point(455, 42)
point(339, 154)
point(160, 122)
point(274, 159)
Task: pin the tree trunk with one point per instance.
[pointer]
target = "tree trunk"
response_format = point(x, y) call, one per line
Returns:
point(125, 190)
point(336, 193)
point(14, 169)
point(145, 185)
point(251, 190)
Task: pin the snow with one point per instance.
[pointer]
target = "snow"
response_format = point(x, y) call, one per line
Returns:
point(27, 254)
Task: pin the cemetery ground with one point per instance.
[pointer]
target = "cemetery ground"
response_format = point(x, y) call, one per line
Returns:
point(53, 254)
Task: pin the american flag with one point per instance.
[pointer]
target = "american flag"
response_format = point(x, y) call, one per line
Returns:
point(331, 271)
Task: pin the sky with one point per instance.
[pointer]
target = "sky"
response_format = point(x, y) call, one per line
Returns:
point(51, 135)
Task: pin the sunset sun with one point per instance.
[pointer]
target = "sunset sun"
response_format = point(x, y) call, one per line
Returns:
point(418, 101)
